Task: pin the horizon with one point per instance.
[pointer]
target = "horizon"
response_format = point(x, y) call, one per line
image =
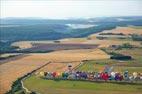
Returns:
point(69, 9)
point(75, 18)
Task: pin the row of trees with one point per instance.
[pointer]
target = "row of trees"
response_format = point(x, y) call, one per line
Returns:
point(136, 37)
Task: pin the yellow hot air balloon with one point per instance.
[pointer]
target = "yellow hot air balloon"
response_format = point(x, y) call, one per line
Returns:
point(41, 73)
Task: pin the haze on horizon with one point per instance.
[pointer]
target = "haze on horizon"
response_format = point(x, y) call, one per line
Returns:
point(59, 9)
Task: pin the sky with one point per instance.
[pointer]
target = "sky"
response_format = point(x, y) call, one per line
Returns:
point(59, 9)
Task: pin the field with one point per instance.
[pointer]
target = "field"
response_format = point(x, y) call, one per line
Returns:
point(82, 41)
point(79, 87)
point(107, 43)
point(118, 66)
point(27, 44)
point(131, 65)
point(73, 51)
point(136, 53)
point(123, 30)
point(110, 39)
point(59, 46)
point(58, 67)
point(91, 39)
point(14, 69)
point(136, 27)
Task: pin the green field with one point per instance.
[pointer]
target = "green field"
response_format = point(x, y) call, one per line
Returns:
point(134, 65)
point(43, 86)
point(98, 65)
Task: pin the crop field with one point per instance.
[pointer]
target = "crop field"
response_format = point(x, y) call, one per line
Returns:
point(14, 69)
point(58, 46)
point(58, 67)
point(107, 43)
point(84, 43)
point(123, 30)
point(28, 44)
point(73, 51)
point(60, 59)
point(78, 87)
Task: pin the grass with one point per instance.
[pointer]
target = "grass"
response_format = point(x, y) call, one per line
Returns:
point(130, 69)
point(134, 65)
point(98, 65)
point(94, 65)
point(78, 87)
point(118, 66)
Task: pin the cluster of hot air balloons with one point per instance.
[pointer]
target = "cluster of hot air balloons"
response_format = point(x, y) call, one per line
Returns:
point(125, 76)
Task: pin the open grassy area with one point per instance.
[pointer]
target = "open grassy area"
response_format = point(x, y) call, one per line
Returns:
point(98, 65)
point(94, 65)
point(134, 65)
point(78, 87)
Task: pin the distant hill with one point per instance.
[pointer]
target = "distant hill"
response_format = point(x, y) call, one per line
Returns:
point(17, 29)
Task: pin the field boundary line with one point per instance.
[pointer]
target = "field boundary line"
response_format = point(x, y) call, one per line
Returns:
point(29, 74)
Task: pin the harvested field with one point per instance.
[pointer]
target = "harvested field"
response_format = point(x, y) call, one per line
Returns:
point(70, 55)
point(123, 30)
point(107, 43)
point(11, 70)
point(58, 46)
point(58, 66)
point(68, 44)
